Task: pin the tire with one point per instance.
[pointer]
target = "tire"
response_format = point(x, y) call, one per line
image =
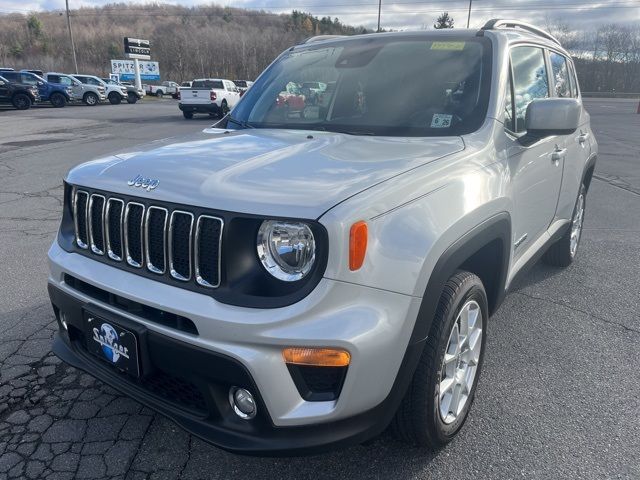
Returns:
point(58, 100)
point(91, 99)
point(563, 252)
point(21, 101)
point(419, 420)
point(187, 115)
point(114, 98)
point(159, 94)
point(224, 108)
point(131, 98)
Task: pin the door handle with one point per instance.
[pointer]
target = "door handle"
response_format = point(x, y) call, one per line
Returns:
point(583, 137)
point(558, 154)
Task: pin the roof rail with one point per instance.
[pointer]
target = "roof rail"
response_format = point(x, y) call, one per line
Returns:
point(496, 23)
point(319, 38)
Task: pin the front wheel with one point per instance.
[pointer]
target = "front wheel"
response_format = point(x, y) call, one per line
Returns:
point(131, 98)
point(187, 115)
point(563, 252)
point(91, 99)
point(21, 101)
point(114, 98)
point(58, 100)
point(159, 94)
point(441, 392)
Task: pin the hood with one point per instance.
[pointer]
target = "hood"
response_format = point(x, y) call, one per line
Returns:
point(286, 173)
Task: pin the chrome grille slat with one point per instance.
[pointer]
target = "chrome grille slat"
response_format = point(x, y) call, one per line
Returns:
point(208, 271)
point(113, 229)
point(155, 234)
point(95, 222)
point(173, 243)
point(134, 234)
point(80, 205)
point(179, 262)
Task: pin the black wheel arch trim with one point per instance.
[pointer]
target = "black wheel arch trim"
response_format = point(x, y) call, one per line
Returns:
point(589, 166)
point(495, 228)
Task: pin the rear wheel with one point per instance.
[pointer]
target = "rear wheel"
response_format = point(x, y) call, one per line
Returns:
point(562, 253)
point(114, 98)
point(224, 108)
point(21, 101)
point(90, 99)
point(159, 94)
point(187, 115)
point(58, 100)
point(438, 400)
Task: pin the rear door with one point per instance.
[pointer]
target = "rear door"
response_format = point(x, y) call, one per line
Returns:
point(535, 168)
point(577, 144)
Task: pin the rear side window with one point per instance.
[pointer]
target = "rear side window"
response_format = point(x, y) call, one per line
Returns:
point(530, 80)
point(11, 76)
point(217, 84)
point(560, 70)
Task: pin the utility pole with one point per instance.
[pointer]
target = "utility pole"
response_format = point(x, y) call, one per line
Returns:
point(469, 16)
point(73, 47)
point(379, 11)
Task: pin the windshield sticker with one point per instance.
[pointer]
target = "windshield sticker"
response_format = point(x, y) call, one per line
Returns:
point(447, 46)
point(441, 120)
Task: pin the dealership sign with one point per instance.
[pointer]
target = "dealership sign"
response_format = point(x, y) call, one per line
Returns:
point(137, 48)
point(127, 71)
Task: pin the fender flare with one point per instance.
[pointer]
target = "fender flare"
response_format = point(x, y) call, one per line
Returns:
point(591, 164)
point(497, 227)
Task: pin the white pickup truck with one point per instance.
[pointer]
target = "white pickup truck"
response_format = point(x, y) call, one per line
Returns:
point(208, 95)
point(165, 88)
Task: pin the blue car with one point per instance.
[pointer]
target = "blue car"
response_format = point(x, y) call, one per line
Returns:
point(58, 95)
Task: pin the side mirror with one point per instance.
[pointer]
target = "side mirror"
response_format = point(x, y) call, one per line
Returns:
point(552, 116)
point(40, 83)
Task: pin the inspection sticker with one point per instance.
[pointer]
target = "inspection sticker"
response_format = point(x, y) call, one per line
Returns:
point(447, 46)
point(441, 120)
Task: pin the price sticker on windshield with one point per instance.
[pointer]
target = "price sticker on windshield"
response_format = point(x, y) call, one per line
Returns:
point(441, 120)
point(448, 46)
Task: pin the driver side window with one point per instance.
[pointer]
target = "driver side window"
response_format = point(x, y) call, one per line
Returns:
point(530, 80)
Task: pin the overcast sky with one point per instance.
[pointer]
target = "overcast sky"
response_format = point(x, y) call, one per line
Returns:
point(408, 14)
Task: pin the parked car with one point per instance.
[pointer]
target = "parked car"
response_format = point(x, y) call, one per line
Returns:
point(291, 284)
point(82, 92)
point(243, 85)
point(22, 97)
point(55, 93)
point(114, 93)
point(133, 94)
point(165, 88)
point(208, 95)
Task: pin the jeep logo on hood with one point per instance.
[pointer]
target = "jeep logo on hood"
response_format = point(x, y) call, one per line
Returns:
point(147, 184)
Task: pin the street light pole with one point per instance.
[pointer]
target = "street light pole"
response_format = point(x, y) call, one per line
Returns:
point(379, 11)
point(73, 47)
point(469, 16)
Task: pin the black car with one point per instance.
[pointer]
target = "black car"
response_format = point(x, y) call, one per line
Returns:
point(18, 95)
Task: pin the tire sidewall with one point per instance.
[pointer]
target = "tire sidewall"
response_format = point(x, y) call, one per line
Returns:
point(114, 98)
point(91, 95)
point(26, 101)
point(58, 100)
point(442, 431)
point(583, 192)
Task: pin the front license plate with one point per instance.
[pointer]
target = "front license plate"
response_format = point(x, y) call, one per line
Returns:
point(112, 343)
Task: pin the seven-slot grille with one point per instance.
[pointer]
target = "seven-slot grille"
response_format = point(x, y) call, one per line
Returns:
point(164, 241)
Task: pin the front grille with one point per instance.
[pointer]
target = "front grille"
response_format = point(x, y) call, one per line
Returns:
point(166, 241)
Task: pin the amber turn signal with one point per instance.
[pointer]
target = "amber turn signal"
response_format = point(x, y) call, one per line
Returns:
point(319, 357)
point(357, 244)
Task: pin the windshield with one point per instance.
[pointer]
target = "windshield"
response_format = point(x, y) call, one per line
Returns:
point(375, 85)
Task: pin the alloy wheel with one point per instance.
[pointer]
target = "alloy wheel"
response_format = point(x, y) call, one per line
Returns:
point(576, 225)
point(460, 362)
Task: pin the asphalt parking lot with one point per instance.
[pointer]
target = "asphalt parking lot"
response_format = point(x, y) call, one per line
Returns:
point(559, 395)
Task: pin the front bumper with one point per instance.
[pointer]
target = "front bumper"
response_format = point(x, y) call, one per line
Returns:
point(242, 347)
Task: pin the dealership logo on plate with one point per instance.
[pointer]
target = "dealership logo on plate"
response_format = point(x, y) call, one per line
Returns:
point(108, 338)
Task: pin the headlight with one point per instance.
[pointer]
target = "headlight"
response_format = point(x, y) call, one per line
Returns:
point(287, 250)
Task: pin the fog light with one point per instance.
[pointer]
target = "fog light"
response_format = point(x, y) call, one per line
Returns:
point(242, 402)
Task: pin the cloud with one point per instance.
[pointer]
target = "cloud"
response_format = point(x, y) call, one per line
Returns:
point(408, 14)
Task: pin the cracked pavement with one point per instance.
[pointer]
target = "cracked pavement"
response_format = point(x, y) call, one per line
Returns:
point(559, 395)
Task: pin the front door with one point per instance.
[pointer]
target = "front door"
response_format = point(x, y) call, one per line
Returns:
point(536, 168)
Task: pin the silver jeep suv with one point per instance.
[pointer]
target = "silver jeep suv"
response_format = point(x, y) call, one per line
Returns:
point(320, 265)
